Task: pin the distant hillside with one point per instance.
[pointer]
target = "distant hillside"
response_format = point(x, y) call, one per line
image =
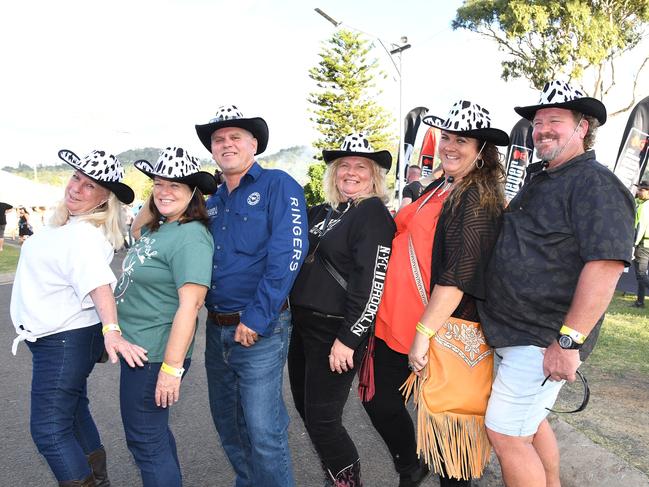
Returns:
point(294, 160)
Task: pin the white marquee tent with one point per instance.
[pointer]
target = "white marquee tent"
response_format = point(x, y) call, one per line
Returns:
point(18, 191)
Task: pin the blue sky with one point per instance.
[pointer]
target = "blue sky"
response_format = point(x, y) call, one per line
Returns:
point(136, 73)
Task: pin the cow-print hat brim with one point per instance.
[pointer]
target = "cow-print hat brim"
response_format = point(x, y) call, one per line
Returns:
point(470, 120)
point(230, 116)
point(103, 168)
point(175, 164)
point(357, 145)
point(559, 94)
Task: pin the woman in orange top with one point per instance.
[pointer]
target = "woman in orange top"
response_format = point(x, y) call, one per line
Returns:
point(434, 277)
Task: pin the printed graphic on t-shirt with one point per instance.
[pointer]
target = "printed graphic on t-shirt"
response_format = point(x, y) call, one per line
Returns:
point(140, 252)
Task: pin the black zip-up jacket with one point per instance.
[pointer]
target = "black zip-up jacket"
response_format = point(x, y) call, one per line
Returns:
point(357, 243)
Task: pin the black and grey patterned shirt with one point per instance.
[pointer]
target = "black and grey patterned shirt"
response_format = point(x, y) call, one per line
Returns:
point(561, 219)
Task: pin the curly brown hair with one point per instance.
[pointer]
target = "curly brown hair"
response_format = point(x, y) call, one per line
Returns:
point(489, 179)
point(593, 125)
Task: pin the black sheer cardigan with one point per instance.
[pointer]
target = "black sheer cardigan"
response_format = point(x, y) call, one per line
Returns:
point(464, 239)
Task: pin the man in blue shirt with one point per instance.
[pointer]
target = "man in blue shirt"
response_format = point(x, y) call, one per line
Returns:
point(259, 224)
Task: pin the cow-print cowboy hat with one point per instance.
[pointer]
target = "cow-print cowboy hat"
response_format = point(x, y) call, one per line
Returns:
point(560, 94)
point(230, 116)
point(103, 168)
point(175, 164)
point(470, 120)
point(357, 145)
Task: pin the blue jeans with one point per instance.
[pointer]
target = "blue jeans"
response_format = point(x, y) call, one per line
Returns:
point(245, 390)
point(61, 425)
point(146, 426)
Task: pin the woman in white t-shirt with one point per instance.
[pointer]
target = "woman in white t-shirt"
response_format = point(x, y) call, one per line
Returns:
point(61, 296)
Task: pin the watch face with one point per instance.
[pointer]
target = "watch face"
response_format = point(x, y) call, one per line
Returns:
point(565, 341)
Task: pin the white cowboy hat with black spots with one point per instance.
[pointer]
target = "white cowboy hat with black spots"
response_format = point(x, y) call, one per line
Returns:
point(175, 164)
point(357, 145)
point(559, 94)
point(103, 168)
point(470, 120)
point(231, 116)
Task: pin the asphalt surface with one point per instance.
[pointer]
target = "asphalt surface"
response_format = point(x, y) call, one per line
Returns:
point(201, 456)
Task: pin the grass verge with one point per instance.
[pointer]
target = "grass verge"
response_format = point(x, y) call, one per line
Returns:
point(9, 258)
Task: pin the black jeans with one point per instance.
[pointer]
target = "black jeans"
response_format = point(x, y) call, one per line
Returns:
point(389, 414)
point(641, 259)
point(320, 394)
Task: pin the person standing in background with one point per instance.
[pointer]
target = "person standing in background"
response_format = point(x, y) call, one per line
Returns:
point(4, 208)
point(641, 245)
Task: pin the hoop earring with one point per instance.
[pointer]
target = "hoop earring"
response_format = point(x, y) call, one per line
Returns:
point(481, 165)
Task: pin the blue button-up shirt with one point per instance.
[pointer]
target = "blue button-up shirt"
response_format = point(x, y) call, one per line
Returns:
point(260, 241)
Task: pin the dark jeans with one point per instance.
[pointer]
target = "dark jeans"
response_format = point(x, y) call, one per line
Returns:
point(387, 409)
point(389, 414)
point(320, 394)
point(61, 424)
point(146, 425)
point(640, 262)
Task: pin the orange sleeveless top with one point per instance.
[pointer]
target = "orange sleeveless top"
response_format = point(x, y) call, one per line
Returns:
point(401, 307)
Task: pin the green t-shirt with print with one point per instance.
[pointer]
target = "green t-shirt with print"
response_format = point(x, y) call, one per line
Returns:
point(153, 270)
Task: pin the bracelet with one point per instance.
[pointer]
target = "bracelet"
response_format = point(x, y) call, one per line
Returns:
point(173, 371)
point(574, 334)
point(111, 327)
point(424, 330)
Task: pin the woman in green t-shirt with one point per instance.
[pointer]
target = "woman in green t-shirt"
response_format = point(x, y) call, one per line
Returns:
point(165, 277)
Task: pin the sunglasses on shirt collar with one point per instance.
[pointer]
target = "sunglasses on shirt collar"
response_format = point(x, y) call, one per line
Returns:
point(584, 401)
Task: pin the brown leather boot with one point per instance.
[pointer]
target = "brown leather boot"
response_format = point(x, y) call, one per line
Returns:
point(87, 482)
point(97, 461)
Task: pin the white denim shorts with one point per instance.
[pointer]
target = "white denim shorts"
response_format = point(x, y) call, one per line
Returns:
point(518, 401)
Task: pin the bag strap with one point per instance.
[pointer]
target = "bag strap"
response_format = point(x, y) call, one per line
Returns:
point(416, 272)
point(334, 273)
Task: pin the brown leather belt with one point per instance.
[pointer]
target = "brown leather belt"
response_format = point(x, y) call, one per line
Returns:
point(231, 319)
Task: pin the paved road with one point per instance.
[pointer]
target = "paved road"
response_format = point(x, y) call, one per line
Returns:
point(203, 461)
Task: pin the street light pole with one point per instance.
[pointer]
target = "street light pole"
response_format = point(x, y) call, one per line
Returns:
point(401, 174)
point(396, 49)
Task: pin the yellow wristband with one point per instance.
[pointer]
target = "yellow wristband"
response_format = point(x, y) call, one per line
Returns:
point(426, 331)
point(574, 334)
point(173, 371)
point(111, 327)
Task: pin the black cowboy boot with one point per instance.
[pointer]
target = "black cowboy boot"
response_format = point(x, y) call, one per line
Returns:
point(87, 482)
point(329, 478)
point(97, 461)
point(414, 476)
point(349, 476)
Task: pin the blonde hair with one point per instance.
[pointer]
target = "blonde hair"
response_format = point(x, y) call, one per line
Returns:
point(108, 217)
point(333, 196)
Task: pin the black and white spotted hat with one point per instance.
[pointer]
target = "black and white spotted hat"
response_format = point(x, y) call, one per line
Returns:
point(103, 168)
point(560, 94)
point(357, 145)
point(470, 120)
point(230, 116)
point(175, 164)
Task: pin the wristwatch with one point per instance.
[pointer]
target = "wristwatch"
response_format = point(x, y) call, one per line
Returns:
point(570, 339)
point(567, 343)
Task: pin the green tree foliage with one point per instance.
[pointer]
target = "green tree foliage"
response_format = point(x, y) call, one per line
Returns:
point(313, 191)
point(345, 100)
point(578, 40)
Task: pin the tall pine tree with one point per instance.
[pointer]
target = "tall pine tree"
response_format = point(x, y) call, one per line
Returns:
point(345, 101)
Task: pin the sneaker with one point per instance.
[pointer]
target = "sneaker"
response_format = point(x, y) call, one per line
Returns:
point(637, 304)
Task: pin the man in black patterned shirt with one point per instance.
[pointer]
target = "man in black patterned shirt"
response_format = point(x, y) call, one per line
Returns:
point(565, 240)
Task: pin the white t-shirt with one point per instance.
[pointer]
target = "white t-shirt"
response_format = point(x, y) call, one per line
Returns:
point(58, 268)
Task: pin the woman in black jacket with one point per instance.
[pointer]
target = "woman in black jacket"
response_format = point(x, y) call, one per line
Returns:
point(336, 296)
